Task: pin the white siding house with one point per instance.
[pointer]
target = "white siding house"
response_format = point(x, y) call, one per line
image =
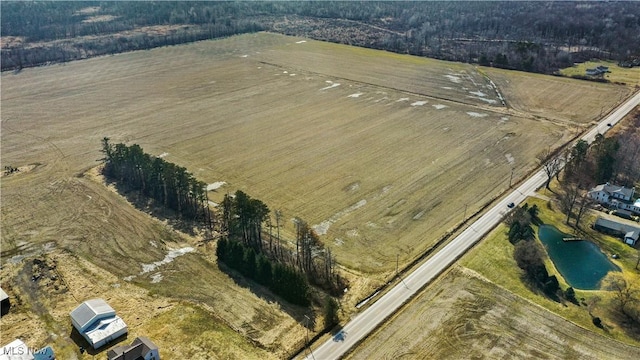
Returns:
point(631, 238)
point(97, 322)
point(16, 350)
point(616, 196)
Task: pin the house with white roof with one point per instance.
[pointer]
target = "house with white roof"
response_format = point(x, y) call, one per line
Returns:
point(16, 350)
point(97, 322)
point(616, 196)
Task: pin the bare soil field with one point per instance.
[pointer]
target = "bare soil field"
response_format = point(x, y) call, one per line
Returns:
point(464, 316)
point(382, 153)
point(382, 169)
point(557, 98)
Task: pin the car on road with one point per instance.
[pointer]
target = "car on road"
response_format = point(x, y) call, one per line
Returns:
point(511, 205)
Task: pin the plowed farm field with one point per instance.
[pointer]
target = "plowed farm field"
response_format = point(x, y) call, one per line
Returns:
point(465, 316)
point(382, 153)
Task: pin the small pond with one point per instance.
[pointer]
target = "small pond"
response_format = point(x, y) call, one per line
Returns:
point(581, 263)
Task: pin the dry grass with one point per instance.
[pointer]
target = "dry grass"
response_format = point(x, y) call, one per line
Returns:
point(493, 258)
point(574, 102)
point(40, 313)
point(463, 315)
point(312, 153)
point(251, 111)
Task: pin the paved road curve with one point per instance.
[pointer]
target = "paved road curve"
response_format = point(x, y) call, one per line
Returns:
point(365, 322)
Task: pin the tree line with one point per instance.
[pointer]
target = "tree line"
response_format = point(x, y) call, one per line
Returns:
point(529, 255)
point(166, 183)
point(242, 221)
point(244, 244)
point(530, 36)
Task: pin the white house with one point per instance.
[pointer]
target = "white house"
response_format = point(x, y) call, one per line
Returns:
point(140, 349)
point(631, 238)
point(97, 322)
point(616, 196)
point(16, 350)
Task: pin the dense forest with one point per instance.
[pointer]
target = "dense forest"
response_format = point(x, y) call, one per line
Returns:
point(530, 36)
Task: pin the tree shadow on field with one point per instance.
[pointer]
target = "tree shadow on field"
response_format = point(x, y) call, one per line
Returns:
point(157, 210)
point(537, 289)
point(628, 325)
point(301, 314)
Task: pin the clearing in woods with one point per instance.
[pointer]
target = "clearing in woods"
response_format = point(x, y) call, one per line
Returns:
point(382, 153)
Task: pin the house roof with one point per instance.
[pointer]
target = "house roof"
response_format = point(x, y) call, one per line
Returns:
point(16, 350)
point(109, 327)
point(137, 350)
point(610, 189)
point(621, 225)
point(89, 311)
point(46, 353)
point(632, 235)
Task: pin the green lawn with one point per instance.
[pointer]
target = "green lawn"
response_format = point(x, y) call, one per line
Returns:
point(493, 258)
point(629, 76)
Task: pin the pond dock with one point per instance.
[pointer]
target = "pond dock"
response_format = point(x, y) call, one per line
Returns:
point(572, 239)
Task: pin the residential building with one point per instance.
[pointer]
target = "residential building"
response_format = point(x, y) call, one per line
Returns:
point(16, 350)
point(629, 231)
point(97, 322)
point(615, 196)
point(140, 349)
point(5, 303)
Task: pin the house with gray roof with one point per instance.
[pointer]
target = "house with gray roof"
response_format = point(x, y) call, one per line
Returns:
point(629, 231)
point(140, 349)
point(97, 322)
point(619, 197)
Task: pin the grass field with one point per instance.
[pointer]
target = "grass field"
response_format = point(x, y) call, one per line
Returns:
point(382, 152)
point(629, 76)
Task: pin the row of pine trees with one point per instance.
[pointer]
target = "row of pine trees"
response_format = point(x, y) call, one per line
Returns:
point(167, 183)
point(244, 244)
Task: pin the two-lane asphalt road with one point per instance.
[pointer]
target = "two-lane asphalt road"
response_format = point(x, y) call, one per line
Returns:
point(365, 322)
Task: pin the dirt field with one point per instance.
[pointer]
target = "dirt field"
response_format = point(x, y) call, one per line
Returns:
point(382, 152)
point(558, 98)
point(356, 159)
point(464, 316)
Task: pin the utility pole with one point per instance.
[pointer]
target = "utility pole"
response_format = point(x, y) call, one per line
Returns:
point(397, 258)
point(511, 178)
point(307, 321)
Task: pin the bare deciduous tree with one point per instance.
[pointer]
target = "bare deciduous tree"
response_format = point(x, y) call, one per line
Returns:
point(551, 165)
